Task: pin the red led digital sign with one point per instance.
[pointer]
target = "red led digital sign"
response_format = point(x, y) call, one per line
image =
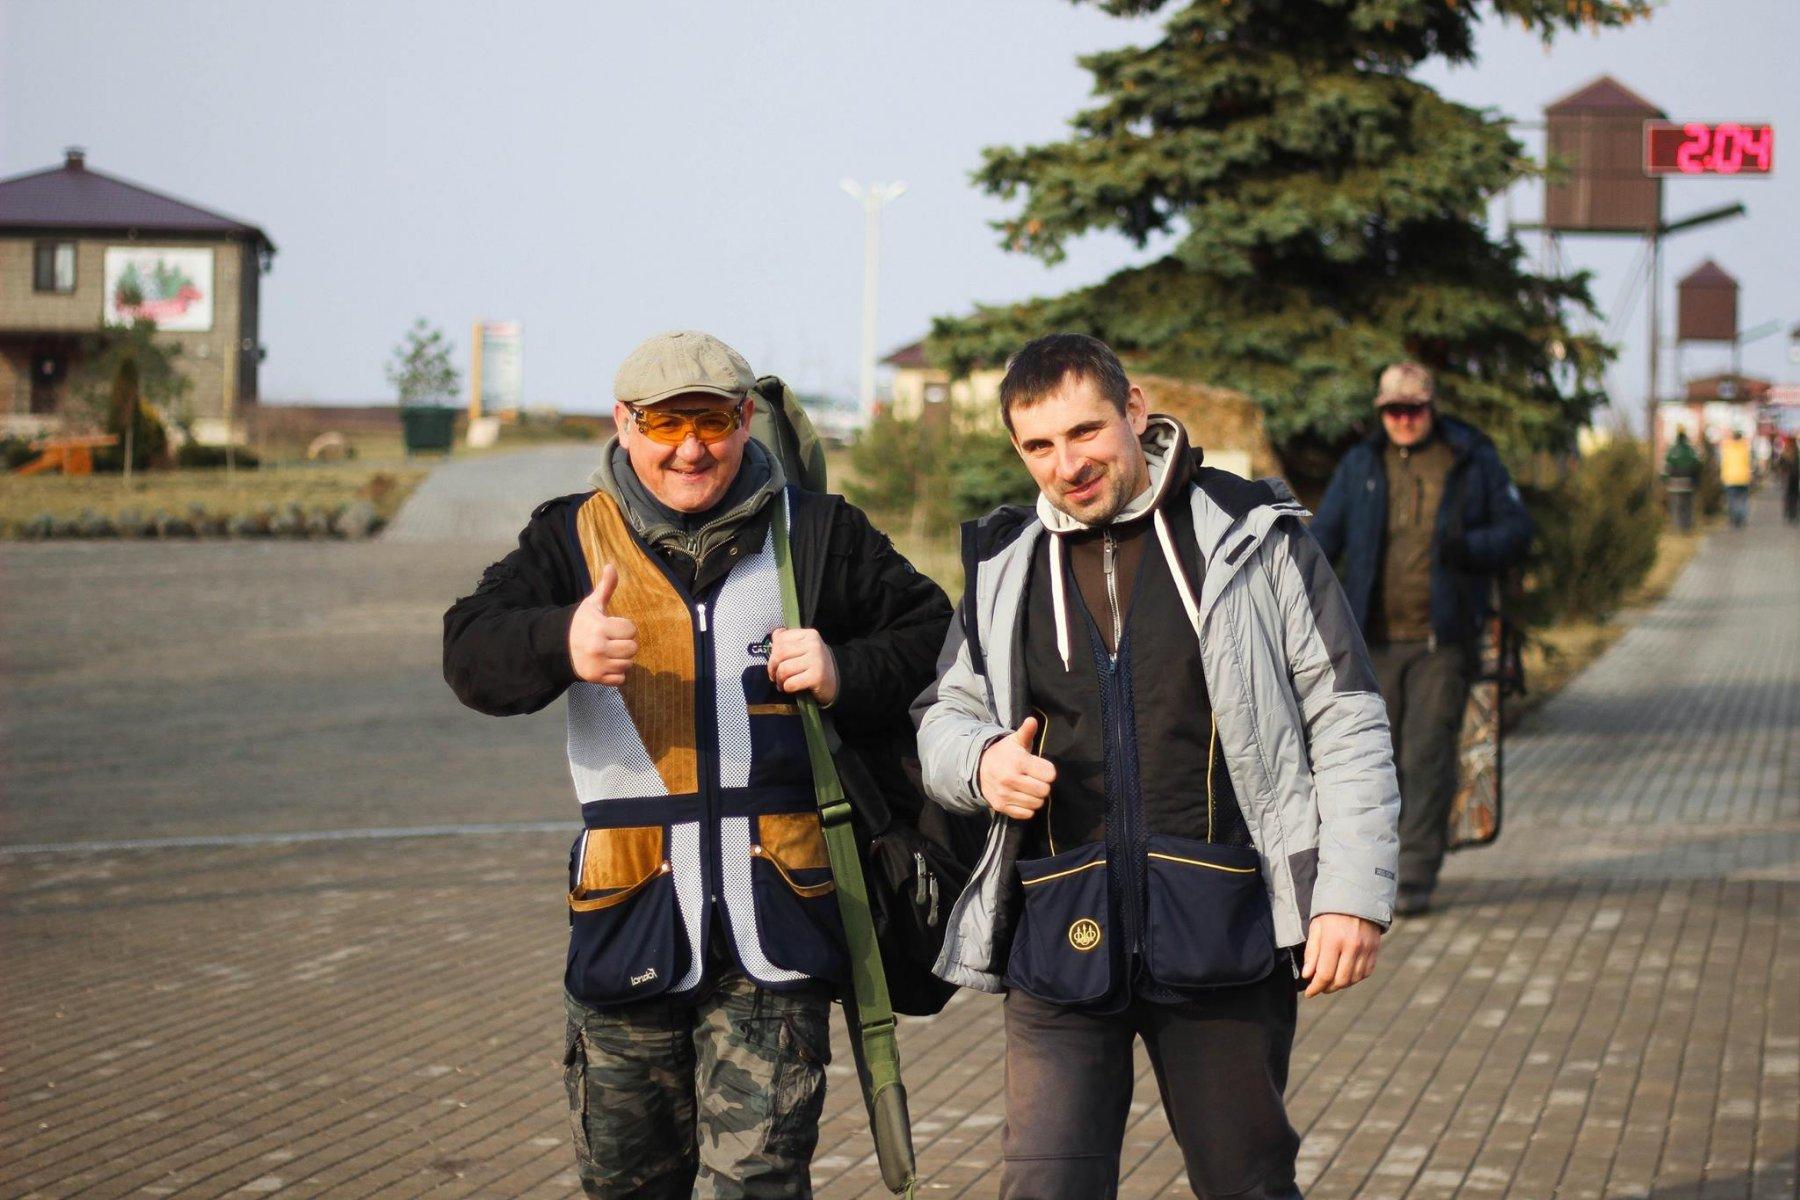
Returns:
point(1697, 148)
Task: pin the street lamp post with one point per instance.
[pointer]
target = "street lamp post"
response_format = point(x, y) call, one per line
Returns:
point(872, 197)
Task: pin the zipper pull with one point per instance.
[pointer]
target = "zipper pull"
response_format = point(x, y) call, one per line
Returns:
point(700, 611)
point(1109, 549)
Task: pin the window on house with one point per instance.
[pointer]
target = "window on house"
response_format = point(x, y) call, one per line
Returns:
point(53, 267)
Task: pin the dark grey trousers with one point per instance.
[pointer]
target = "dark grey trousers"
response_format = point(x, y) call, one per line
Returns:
point(1426, 690)
point(1221, 1064)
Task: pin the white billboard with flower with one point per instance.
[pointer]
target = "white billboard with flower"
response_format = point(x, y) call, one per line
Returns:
point(172, 286)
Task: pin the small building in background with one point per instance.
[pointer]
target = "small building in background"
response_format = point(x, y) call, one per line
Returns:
point(80, 250)
point(1715, 406)
point(922, 392)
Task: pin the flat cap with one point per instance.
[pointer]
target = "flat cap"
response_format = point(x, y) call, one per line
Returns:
point(683, 361)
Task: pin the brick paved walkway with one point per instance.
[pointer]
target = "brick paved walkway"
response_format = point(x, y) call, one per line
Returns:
point(1605, 1004)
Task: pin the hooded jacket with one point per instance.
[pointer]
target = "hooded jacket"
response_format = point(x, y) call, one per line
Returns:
point(1303, 729)
point(1482, 528)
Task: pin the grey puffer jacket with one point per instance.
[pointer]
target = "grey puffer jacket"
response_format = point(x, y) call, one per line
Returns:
point(1302, 725)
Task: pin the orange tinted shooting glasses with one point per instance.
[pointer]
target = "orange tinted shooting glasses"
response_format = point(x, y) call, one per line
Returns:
point(672, 428)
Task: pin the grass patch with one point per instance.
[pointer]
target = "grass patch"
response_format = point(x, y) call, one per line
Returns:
point(385, 485)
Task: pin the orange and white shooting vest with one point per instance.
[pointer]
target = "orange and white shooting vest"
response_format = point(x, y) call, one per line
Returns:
point(695, 789)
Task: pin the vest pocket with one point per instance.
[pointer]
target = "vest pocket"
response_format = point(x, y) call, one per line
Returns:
point(797, 916)
point(1208, 922)
point(625, 938)
point(1062, 948)
point(777, 739)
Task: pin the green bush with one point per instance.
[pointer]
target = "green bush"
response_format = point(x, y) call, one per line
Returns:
point(16, 452)
point(194, 455)
point(987, 473)
point(897, 465)
point(1597, 531)
point(933, 475)
point(149, 441)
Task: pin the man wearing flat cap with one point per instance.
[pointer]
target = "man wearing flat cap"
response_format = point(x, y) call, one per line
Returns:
point(705, 945)
point(1419, 518)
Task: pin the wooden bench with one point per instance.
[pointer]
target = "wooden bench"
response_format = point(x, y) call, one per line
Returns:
point(72, 455)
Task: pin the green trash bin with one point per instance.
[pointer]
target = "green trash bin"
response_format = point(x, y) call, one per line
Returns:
point(428, 427)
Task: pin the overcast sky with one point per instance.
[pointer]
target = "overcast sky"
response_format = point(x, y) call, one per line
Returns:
point(602, 172)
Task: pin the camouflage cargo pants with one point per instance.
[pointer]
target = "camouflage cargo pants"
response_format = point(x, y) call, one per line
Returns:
point(725, 1092)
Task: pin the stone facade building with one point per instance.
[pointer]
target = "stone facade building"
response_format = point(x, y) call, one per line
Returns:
point(80, 250)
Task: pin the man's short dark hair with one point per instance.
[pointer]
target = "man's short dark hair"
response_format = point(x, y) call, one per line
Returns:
point(1040, 368)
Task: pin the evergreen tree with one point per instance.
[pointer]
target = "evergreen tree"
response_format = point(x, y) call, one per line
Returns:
point(1328, 211)
point(127, 380)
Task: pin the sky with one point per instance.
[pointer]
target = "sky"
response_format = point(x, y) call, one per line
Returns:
point(601, 172)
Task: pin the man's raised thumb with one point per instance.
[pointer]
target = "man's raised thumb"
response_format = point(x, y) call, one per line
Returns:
point(609, 583)
point(1028, 734)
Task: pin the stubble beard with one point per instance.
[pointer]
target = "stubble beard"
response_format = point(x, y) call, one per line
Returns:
point(1113, 496)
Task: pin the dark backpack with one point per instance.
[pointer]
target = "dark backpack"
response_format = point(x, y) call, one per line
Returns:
point(916, 862)
point(783, 426)
point(917, 858)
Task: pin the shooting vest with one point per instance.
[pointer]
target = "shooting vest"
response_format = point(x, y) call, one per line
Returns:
point(696, 790)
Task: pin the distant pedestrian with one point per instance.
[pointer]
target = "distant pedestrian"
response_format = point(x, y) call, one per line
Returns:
point(704, 941)
point(1736, 473)
point(1419, 518)
point(1681, 475)
point(1788, 464)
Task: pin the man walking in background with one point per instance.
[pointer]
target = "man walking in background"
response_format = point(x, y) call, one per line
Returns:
point(1420, 518)
point(1736, 473)
point(1156, 693)
point(1787, 463)
point(704, 939)
point(1681, 475)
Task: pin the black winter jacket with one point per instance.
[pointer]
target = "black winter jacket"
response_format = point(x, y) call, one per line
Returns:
point(1482, 528)
point(506, 645)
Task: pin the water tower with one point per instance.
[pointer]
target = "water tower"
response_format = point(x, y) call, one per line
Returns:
point(1597, 133)
point(1610, 149)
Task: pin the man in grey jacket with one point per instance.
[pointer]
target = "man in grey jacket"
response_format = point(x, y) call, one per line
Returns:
point(1156, 690)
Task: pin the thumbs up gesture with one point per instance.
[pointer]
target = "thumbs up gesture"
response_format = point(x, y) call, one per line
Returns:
point(602, 647)
point(1014, 781)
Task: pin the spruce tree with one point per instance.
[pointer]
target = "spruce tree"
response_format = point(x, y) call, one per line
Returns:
point(1328, 216)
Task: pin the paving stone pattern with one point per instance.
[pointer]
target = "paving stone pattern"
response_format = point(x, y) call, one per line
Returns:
point(1604, 1005)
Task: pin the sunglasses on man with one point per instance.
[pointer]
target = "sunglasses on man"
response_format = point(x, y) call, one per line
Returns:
point(672, 428)
point(1406, 411)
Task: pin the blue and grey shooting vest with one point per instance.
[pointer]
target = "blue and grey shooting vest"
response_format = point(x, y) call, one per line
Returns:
point(695, 789)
